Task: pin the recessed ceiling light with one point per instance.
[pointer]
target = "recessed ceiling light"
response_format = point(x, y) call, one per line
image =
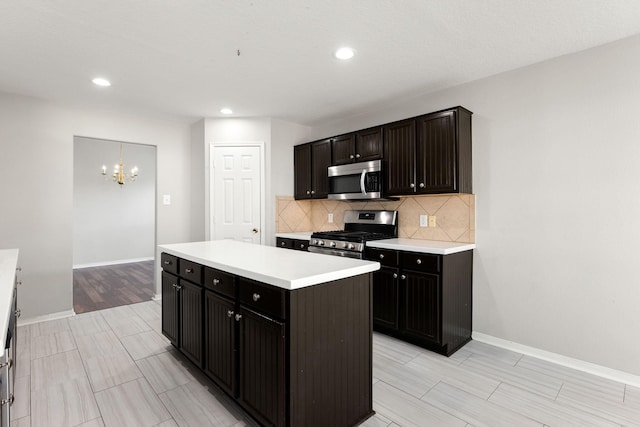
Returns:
point(226, 111)
point(345, 53)
point(99, 81)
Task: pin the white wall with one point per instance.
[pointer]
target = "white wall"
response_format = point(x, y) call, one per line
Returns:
point(36, 142)
point(556, 152)
point(112, 223)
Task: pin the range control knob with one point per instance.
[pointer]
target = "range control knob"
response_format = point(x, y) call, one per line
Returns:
point(320, 242)
point(352, 246)
point(332, 244)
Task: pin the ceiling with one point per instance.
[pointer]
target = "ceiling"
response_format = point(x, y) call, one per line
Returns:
point(273, 58)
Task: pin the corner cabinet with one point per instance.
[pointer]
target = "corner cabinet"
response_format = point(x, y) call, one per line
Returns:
point(424, 299)
point(276, 352)
point(310, 163)
point(429, 154)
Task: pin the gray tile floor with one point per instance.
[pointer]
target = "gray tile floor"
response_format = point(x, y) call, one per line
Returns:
point(114, 368)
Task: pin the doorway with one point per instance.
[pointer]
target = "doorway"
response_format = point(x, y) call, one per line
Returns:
point(113, 224)
point(237, 206)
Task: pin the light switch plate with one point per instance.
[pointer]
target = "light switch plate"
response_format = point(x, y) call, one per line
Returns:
point(166, 199)
point(423, 221)
point(432, 220)
point(330, 218)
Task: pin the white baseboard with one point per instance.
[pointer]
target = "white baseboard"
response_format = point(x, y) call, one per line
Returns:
point(44, 318)
point(157, 297)
point(119, 261)
point(569, 362)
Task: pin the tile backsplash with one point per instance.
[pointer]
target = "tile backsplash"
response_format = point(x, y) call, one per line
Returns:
point(455, 215)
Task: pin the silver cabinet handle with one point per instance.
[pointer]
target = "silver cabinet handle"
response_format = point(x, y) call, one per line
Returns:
point(351, 156)
point(301, 245)
point(178, 287)
point(19, 282)
point(230, 313)
point(418, 261)
point(395, 275)
point(18, 268)
point(216, 282)
point(256, 297)
point(174, 286)
point(381, 256)
point(357, 156)
point(313, 191)
point(308, 192)
point(403, 277)
point(422, 185)
point(238, 317)
point(167, 263)
point(18, 313)
point(412, 185)
point(188, 270)
point(282, 244)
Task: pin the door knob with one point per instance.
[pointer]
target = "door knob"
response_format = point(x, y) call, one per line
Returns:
point(254, 231)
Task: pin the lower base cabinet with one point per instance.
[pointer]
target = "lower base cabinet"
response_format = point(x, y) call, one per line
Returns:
point(278, 353)
point(424, 299)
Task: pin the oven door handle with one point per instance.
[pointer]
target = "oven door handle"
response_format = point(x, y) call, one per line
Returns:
point(362, 176)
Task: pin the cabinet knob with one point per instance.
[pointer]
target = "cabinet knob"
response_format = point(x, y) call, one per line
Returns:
point(229, 313)
point(238, 317)
point(174, 286)
point(422, 185)
point(308, 192)
point(18, 268)
point(301, 245)
point(418, 261)
point(167, 263)
point(179, 288)
point(403, 277)
point(313, 192)
point(351, 156)
point(412, 185)
point(256, 297)
point(282, 244)
point(381, 256)
point(395, 275)
point(18, 313)
point(357, 156)
point(19, 282)
point(216, 282)
point(188, 270)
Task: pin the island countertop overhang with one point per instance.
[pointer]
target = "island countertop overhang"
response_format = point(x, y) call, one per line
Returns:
point(268, 264)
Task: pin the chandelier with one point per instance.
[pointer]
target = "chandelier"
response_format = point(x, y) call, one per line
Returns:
point(119, 175)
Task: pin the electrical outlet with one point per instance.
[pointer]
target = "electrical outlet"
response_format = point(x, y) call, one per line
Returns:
point(432, 220)
point(330, 218)
point(423, 221)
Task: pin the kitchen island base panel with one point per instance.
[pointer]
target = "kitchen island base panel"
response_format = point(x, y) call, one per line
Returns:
point(330, 353)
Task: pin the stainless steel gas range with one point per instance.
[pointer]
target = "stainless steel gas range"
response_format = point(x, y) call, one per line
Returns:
point(359, 227)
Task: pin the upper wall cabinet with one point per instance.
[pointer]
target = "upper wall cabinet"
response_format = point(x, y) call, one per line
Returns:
point(429, 154)
point(358, 146)
point(310, 163)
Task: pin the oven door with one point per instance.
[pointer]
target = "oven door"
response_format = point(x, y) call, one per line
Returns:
point(336, 252)
point(355, 181)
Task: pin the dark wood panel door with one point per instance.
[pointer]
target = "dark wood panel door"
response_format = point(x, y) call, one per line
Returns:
point(343, 149)
point(369, 144)
point(386, 298)
point(399, 157)
point(262, 388)
point(170, 318)
point(421, 301)
point(220, 341)
point(191, 321)
point(320, 161)
point(436, 156)
point(302, 171)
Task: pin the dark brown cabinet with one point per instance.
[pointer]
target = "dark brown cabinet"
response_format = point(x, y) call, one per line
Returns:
point(220, 341)
point(425, 300)
point(359, 146)
point(429, 154)
point(297, 244)
point(170, 307)
point(310, 163)
point(191, 320)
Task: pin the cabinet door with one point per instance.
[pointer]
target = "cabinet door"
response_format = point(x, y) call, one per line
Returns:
point(321, 160)
point(302, 171)
point(436, 157)
point(220, 341)
point(170, 318)
point(191, 321)
point(400, 154)
point(262, 367)
point(421, 301)
point(369, 144)
point(343, 149)
point(385, 298)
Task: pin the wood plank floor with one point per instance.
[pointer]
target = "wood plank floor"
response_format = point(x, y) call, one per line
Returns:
point(114, 368)
point(97, 288)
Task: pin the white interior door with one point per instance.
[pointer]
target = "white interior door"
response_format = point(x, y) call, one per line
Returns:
point(236, 193)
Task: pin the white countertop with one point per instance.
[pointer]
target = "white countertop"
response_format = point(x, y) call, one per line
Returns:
point(8, 264)
point(268, 264)
point(300, 235)
point(423, 246)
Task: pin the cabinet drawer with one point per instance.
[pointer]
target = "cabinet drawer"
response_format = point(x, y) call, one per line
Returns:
point(190, 270)
point(283, 242)
point(169, 263)
point(383, 256)
point(263, 298)
point(420, 262)
point(301, 245)
point(220, 281)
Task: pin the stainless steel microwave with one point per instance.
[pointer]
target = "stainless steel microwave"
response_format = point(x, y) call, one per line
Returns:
point(356, 181)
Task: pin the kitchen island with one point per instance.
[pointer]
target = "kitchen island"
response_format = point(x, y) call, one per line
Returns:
point(287, 334)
